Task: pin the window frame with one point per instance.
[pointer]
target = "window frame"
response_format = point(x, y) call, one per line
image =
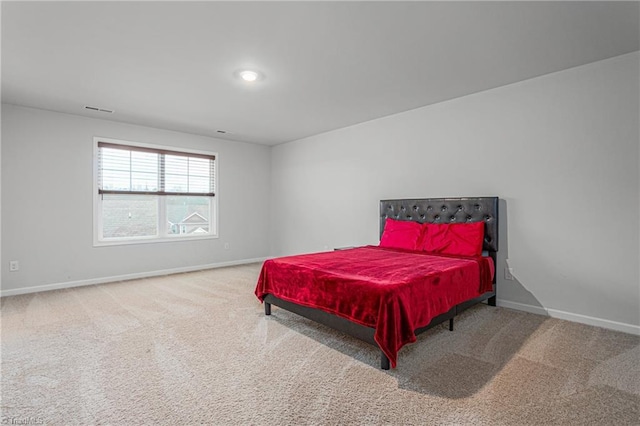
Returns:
point(161, 236)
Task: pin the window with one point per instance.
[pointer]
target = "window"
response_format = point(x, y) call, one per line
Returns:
point(149, 193)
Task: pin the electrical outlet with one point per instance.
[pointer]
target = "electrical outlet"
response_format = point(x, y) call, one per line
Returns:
point(226, 246)
point(508, 274)
point(14, 265)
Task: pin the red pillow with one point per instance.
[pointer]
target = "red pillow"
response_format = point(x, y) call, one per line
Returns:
point(401, 234)
point(460, 239)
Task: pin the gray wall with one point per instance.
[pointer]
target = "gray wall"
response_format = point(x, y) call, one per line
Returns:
point(47, 202)
point(561, 151)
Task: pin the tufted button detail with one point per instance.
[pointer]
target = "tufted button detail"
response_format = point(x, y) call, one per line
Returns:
point(442, 210)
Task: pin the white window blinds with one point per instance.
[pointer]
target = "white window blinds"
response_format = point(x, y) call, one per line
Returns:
point(125, 169)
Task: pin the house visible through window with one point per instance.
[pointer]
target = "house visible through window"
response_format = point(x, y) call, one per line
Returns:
point(146, 192)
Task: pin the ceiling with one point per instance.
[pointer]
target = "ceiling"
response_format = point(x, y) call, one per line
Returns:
point(326, 65)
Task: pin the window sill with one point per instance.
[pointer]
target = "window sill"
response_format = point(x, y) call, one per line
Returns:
point(151, 240)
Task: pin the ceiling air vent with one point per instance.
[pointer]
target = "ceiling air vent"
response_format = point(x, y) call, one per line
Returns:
point(91, 108)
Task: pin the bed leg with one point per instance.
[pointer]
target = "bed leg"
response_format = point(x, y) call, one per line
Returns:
point(491, 301)
point(384, 361)
point(267, 308)
point(450, 324)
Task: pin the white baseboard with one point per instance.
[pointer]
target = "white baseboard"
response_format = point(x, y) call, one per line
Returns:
point(115, 278)
point(569, 316)
point(522, 307)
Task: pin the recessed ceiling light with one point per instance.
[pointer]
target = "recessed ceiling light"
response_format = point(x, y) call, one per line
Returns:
point(249, 75)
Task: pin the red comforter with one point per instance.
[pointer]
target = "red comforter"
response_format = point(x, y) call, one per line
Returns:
point(394, 291)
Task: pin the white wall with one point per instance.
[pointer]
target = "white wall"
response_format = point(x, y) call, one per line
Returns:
point(561, 151)
point(47, 203)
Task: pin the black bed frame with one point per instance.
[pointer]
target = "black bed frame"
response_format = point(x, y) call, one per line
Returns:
point(432, 210)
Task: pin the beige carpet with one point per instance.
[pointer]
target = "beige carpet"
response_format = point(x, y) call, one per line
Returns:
point(196, 348)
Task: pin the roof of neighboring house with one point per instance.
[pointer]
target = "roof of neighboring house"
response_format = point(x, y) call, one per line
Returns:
point(194, 217)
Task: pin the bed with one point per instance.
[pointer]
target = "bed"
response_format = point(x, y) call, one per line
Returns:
point(387, 295)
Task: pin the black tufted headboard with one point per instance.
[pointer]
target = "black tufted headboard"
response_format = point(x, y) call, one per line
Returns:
point(447, 210)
